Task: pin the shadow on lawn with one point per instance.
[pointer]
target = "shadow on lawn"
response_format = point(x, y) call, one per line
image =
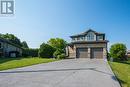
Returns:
point(124, 62)
point(3, 60)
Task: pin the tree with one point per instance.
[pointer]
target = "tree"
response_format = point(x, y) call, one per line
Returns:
point(46, 51)
point(24, 44)
point(57, 43)
point(118, 51)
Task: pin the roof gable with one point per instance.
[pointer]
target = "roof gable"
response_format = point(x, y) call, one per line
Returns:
point(86, 32)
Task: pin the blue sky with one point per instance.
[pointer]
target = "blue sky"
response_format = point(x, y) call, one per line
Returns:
point(36, 21)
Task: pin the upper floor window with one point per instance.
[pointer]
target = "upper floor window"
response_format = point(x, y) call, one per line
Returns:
point(100, 37)
point(73, 39)
point(82, 38)
point(90, 36)
point(78, 38)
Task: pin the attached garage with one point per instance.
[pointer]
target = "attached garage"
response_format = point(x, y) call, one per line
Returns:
point(97, 53)
point(82, 53)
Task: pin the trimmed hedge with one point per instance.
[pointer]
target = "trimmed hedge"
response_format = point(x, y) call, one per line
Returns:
point(30, 52)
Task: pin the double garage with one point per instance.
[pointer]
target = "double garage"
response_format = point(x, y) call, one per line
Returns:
point(89, 53)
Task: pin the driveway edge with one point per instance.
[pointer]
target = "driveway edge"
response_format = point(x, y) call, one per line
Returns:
point(109, 66)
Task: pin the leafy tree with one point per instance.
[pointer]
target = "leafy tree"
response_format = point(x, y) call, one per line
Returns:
point(57, 43)
point(118, 51)
point(46, 51)
point(24, 44)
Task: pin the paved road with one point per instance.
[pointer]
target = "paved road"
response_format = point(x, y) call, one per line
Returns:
point(64, 73)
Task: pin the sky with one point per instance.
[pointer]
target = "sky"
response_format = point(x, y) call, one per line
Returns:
point(36, 21)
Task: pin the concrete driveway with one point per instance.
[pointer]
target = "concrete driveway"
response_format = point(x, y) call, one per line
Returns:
point(64, 73)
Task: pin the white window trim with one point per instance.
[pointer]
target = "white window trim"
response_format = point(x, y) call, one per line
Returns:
point(90, 36)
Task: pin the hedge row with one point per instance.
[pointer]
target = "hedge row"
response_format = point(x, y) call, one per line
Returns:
point(30, 52)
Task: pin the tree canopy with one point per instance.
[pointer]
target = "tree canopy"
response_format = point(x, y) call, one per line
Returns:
point(24, 44)
point(57, 43)
point(46, 51)
point(118, 50)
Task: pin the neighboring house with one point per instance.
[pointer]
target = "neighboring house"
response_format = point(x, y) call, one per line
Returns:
point(9, 49)
point(89, 44)
point(128, 54)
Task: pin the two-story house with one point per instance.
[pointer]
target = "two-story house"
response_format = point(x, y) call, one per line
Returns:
point(89, 44)
point(9, 49)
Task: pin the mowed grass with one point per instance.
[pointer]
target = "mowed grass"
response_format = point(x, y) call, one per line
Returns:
point(9, 63)
point(122, 72)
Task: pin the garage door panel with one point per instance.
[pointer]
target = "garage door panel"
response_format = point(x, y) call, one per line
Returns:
point(97, 53)
point(82, 52)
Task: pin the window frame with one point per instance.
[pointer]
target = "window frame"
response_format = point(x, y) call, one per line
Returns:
point(90, 36)
point(100, 37)
point(73, 39)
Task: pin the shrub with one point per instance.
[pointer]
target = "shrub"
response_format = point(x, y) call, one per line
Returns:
point(46, 51)
point(30, 52)
point(118, 51)
point(57, 52)
point(108, 56)
point(61, 56)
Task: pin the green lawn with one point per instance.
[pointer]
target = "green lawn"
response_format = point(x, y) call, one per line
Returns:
point(9, 63)
point(122, 71)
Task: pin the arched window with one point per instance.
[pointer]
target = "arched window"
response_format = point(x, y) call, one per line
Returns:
point(90, 36)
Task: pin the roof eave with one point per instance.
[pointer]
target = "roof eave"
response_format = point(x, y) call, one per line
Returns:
point(84, 33)
point(104, 41)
